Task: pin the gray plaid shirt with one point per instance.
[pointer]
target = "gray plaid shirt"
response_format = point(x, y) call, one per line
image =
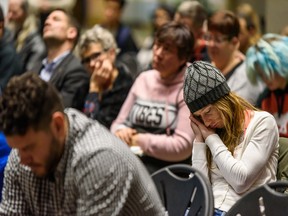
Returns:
point(97, 175)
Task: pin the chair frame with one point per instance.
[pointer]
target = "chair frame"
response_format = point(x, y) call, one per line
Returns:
point(268, 200)
point(182, 187)
point(282, 168)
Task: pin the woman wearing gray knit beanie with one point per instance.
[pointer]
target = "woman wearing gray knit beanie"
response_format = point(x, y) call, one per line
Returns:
point(235, 145)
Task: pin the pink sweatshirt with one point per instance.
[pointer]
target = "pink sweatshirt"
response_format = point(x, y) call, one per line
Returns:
point(155, 107)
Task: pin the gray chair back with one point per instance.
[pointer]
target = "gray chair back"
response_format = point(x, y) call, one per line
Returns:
point(267, 200)
point(184, 191)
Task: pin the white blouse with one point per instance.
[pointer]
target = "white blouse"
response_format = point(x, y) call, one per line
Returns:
point(254, 162)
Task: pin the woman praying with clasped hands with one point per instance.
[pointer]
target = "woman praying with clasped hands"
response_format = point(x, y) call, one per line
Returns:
point(235, 145)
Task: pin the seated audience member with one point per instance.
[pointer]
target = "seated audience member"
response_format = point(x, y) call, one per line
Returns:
point(235, 146)
point(193, 15)
point(28, 42)
point(61, 67)
point(42, 8)
point(112, 21)
point(223, 43)
point(64, 163)
point(267, 61)
point(163, 14)
point(153, 115)
point(4, 153)
point(123, 35)
point(250, 31)
point(9, 60)
point(109, 83)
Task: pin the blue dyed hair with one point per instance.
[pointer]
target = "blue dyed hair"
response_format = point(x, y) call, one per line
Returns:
point(269, 56)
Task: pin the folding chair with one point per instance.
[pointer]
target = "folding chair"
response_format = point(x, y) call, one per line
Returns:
point(184, 191)
point(267, 200)
point(282, 169)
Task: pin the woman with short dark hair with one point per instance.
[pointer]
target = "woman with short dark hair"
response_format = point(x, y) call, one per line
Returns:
point(222, 39)
point(153, 115)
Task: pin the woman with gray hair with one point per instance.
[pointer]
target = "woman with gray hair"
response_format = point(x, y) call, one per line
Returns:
point(267, 61)
point(109, 83)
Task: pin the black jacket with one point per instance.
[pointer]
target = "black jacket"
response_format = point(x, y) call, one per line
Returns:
point(71, 80)
point(10, 64)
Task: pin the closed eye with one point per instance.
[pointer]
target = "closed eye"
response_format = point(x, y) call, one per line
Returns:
point(208, 111)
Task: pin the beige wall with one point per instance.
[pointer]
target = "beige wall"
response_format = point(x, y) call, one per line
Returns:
point(4, 5)
point(94, 12)
point(275, 12)
point(276, 15)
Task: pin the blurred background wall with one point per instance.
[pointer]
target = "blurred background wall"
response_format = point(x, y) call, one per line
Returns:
point(137, 13)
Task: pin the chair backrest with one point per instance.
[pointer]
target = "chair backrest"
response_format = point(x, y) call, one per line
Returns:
point(282, 169)
point(267, 200)
point(182, 187)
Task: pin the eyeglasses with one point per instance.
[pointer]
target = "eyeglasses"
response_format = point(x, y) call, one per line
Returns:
point(92, 57)
point(216, 39)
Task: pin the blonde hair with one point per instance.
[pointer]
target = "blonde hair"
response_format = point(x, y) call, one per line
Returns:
point(232, 110)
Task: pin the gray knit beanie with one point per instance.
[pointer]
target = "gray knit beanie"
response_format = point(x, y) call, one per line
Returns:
point(204, 84)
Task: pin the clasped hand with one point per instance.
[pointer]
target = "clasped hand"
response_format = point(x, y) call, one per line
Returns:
point(200, 130)
point(128, 135)
point(101, 76)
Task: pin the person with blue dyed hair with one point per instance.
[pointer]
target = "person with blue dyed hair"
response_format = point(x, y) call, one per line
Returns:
point(267, 61)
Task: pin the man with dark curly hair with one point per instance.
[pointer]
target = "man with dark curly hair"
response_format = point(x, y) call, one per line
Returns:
point(64, 163)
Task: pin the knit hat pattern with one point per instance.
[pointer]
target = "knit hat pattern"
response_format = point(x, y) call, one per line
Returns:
point(204, 84)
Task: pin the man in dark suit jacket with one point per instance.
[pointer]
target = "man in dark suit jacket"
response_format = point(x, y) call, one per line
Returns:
point(61, 67)
point(25, 33)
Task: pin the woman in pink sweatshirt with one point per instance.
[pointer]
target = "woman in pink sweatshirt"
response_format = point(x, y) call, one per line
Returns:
point(154, 115)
